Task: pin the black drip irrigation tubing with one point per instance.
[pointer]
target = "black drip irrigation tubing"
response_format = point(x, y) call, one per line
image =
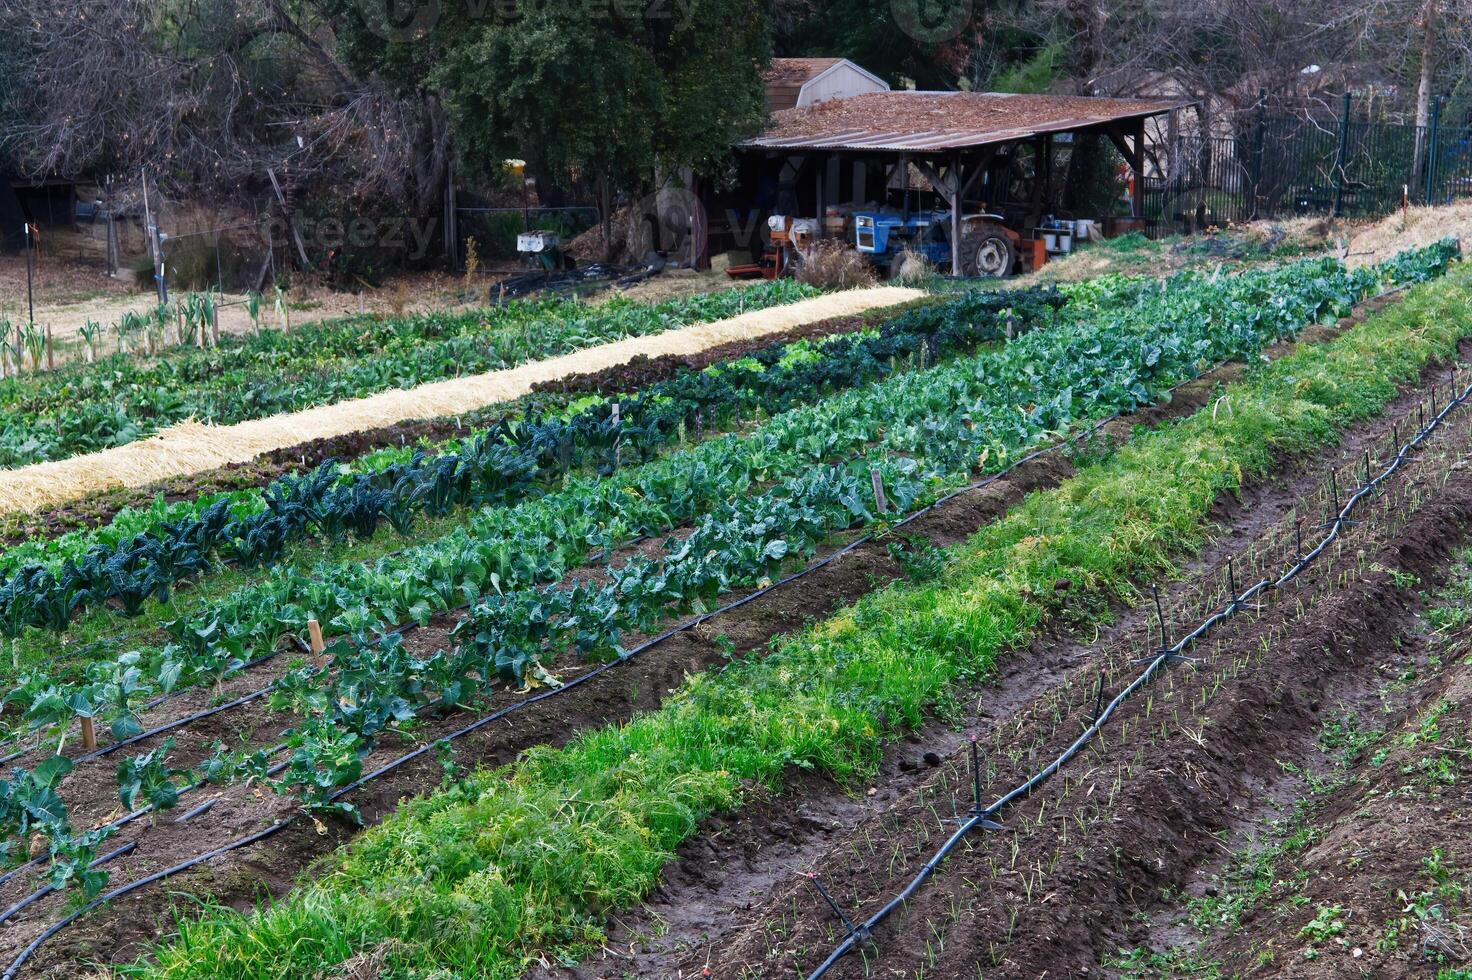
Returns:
point(124, 890)
point(982, 817)
point(41, 893)
point(165, 698)
point(143, 811)
point(241, 701)
point(168, 726)
point(405, 628)
point(175, 724)
point(485, 720)
point(117, 893)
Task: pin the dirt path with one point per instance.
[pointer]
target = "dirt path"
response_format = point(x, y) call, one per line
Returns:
point(1357, 855)
point(191, 447)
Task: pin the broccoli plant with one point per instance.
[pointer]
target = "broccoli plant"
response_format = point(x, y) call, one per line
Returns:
point(150, 778)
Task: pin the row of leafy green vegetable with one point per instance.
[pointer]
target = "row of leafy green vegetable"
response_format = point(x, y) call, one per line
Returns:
point(1084, 299)
point(121, 398)
point(211, 644)
point(525, 863)
point(378, 685)
point(499, 466)
point(28, 801)
point(541, 540)
point(781, 374)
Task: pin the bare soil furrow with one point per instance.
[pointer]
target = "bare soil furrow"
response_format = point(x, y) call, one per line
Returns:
point(1058, 888)
point(244, 877)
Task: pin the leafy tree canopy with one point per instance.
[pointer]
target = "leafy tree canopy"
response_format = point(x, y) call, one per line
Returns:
point(584, 88)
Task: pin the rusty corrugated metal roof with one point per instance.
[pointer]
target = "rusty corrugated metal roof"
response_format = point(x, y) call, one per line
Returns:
point(795, 71)
point(925, 122)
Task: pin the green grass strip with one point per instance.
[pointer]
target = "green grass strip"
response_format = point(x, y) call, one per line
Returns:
point(527, 859)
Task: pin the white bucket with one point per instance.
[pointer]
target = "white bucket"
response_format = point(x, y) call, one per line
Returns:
point(1050, 241)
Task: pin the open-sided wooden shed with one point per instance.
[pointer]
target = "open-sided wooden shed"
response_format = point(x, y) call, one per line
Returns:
point(837, 150)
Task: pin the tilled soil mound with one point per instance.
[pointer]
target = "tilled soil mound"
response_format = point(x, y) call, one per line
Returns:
point(1063, 885)
point(242, 877)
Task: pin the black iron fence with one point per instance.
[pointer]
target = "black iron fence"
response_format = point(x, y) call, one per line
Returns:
point(1282, 167)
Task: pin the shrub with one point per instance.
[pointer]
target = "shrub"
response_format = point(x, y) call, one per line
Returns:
point(833, 265)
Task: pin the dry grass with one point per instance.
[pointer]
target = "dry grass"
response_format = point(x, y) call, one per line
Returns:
point(1301, 234)
point(1413, 229)
point(672, 284)
point(910, 268)
point(1131, 255)
point(192, 447)
point(834, 265)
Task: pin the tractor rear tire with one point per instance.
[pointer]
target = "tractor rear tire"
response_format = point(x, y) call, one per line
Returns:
point(988, 252)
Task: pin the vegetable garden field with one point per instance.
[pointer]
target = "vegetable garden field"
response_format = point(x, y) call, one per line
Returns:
point(949, 638)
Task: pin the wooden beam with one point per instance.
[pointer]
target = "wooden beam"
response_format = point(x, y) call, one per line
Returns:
point(977, 169)
point(1035, 208)
point(1137, 205)
point(296, 236)
point(1047, 172)
point(943, 182)
point(1125, 150)
point(952, 185)
point(821, 191)
point(1135, 157)
point(905, 183)
point(787, 177)
point(956, 200)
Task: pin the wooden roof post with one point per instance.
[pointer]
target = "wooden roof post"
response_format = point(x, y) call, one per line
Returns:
point(1134, 156)
point(820, 191)
point(953, 178)
point(1035, 204)
point(1137, 205)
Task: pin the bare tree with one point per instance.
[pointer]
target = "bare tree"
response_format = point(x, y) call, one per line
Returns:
point(1423, 86)
point(1302, 53)
point(206, 96)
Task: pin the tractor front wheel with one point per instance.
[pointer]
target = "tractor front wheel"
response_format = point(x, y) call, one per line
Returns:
point(987, 251)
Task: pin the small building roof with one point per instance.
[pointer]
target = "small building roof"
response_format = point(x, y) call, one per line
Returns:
point(927, 122)
point(796, 82)
point(796, 71)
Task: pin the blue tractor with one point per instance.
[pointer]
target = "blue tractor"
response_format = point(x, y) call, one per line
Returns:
point(987, 247)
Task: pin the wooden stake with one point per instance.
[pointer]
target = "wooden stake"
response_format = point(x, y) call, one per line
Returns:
point(314, 630)
point(296, 237)
point(89, 734)
point(879, 500)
